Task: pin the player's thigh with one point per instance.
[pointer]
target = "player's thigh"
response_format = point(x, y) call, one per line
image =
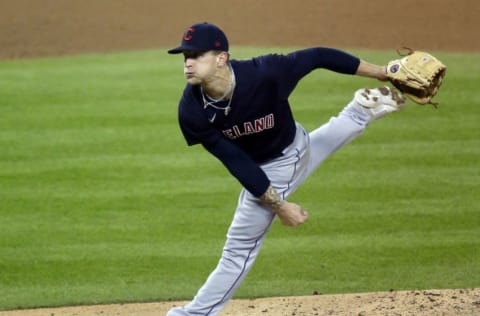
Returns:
point(252, 219)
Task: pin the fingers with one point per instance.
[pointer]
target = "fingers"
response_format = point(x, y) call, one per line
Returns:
point(295, 218)
point(303, 217)
point(292, 214)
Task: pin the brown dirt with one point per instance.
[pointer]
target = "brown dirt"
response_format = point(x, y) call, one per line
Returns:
point(405, 303)
point(32, 28)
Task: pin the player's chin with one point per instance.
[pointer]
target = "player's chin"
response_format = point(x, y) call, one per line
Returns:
point(193, 80)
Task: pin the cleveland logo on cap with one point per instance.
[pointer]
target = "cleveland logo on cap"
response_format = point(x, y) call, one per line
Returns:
point(202, 37)
point(188, 34)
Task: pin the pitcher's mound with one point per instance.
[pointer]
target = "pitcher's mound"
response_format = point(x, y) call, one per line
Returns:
point(464, 302)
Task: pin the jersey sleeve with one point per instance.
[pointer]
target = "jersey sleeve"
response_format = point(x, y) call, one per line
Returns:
point(240, 165)
point(288, 70)
point(332, 59)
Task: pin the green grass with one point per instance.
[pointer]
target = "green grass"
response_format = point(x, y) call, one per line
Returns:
point(102, 201)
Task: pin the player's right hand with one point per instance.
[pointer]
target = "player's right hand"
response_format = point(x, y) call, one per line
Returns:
point(291, 214)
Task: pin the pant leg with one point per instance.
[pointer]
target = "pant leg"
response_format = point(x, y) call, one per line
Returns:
point(252, 220)
point(336, 133)
point(246, 234)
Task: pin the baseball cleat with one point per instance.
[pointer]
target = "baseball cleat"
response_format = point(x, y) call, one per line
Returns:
point(380, 101)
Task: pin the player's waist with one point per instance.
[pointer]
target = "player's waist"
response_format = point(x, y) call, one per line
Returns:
point(279, 148)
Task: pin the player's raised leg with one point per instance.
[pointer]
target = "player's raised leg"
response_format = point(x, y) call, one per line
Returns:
point(366, 106)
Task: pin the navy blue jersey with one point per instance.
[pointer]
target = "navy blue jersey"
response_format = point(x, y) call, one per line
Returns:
point(260, 122)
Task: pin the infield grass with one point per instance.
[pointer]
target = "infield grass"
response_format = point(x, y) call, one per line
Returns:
point(102, 201)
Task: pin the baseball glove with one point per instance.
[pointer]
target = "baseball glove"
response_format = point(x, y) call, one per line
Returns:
point(418, 75)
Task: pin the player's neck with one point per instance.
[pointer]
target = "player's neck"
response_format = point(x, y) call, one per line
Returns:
point(222, 84)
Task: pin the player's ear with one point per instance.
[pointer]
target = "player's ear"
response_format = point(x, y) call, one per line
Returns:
point(222, 58)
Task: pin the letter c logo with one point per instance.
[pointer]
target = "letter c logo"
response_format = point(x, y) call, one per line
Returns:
point(188, 34)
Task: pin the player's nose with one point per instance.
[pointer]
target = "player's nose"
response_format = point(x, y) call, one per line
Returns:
point(188, 63)
point(189, 60)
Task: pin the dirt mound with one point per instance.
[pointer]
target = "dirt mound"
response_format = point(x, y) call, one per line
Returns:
point(393, 303)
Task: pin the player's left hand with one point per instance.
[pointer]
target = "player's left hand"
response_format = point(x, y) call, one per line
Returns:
point(291, 214)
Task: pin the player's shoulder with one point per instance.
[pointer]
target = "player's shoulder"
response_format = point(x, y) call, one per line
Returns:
point(191, 93)
point(268, 65)
point(190, 105)
point(261, 60)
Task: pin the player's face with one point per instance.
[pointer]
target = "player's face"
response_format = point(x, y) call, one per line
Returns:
point(199, 66)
